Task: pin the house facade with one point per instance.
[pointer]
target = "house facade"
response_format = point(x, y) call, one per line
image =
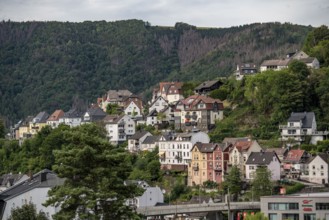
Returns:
point(174, 151)
point(199, 112)
point(207, 86)
point(135, 141)
point(38, 122)
point(73, 118)
point(295, 162)
point(245, 69)
point(170, 91)
point(158, 104)
point(318, 169)
point(119, 128)
point(263, 159)
point(53, 119)
point(34, 189)
point(206, 164)
point(133, 109)
point(299, 126)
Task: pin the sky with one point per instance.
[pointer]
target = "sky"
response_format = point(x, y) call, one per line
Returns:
point(200, 13)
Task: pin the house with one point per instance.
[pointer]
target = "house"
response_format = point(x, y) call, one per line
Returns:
point(114, 97)
point(94, 114)
point(239, 153)
point(281, 152)
point(207, 86)
point(53, 119)
point(149, 143)
point(263, 159)
point(280, 64)
point(9, 180)
point(73, 118)
point(294, 163)
point(158, 104)
point(119, 128)
point(135, 141)
point(299, 126)
point(24, 129)
point(38, 122)
point(170, 91)
point(198, 111)
point(34, 189)
point(245, 69)
point(151, 196)
point(152, 118)
point(206, 164)
point(318, 169)
point(174, 149)
point(133, 109)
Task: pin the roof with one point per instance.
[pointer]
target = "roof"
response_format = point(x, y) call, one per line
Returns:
point(261, 158)
point(323, 156)
point(41, 117)
point(10, 178)
point(307, 60)
point(154, 112)
point(151, 139)
point(206, 84)
point(294, 155)
point(282, 62)
point(43, 179)
point(169, 87)
point(73, 113)
point(56, 115)
point(278, 151)
point(242, 145)
point(138, 135)
point(305, 117)
point(206, 148)
point(192, 101)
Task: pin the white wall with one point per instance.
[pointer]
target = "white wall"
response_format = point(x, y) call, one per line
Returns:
point(315, 170)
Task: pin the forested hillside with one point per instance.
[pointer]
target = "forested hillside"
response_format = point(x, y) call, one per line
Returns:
point(50, 65)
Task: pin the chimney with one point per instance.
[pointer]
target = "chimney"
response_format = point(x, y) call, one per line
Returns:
point(43, 176)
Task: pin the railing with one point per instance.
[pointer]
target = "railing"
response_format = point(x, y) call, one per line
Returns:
point(193, 208)
point(195, 168)
point(289, 127)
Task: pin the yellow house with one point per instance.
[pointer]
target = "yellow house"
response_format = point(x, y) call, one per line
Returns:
point(24, 129)
point(38, 122)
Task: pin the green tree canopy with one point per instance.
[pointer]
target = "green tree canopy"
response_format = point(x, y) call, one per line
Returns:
point(2, 128)
point(27, 212)
point(233, 181)
point(262, 184)
point(95, 172)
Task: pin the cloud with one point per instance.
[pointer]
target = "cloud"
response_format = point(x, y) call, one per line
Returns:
point(211, 13)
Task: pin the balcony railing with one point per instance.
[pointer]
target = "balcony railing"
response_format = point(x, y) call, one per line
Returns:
point(289, 127)
point(217, 168)
point(195, 168)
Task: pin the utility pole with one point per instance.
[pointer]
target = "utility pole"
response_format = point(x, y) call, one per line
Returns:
point(228, 204)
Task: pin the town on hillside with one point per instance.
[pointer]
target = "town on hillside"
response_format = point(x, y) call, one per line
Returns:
point(181, 139)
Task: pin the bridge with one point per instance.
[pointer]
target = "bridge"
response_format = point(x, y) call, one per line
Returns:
point(197, 208)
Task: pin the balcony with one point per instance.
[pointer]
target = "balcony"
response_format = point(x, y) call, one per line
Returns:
point(219, 169)
point(195, 168)
point(289, 127)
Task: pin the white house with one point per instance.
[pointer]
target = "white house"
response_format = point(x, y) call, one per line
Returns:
point(73, 118)
point(119, 128)
point(53, 119)
point(263, 159)
point(150, 197)
point(300, 125)
point(34, 189)
point(135, 141)
point(133, 109)
point(318, 169)
point(152, 118)
point(170, 91)
point(245, 69)
point(158, 104)
point(174, 151)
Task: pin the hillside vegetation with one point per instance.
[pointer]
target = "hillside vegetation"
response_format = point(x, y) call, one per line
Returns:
point(52, 65)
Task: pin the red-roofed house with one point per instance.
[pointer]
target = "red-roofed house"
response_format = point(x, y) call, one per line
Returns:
point(198, 111)
point(295, 162)
point(53, 119)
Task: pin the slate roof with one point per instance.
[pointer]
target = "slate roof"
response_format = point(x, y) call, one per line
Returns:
point(151, 139)
point(44, 178)
point(305, 117)
point(118, 95)
point(261, 158)
point(73, 113)
point(41, 117)
point(138, 135)
point(283, 62)
point(206, 84)
point(154, 112)
point(278, 151)
point(10, 178)
point(206, 147)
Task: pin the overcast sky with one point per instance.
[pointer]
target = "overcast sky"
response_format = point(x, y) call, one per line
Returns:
point(201, 13)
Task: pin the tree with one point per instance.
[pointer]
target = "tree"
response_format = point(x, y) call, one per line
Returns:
point(233, 182)
point(27, 212)
point(2, 129)
point(262, 184)
point(257, 216)
point(95, 172)
point(113, 109)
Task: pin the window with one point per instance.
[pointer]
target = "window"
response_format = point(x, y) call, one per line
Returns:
point(272, 216)
point(291, 124)
point(282, 206)
point(321, 167)
point(290, 216)
point(322, 206)
point(309, 217)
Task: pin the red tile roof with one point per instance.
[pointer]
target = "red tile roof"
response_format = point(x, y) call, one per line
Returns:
point(294, 155)
point(56, 115)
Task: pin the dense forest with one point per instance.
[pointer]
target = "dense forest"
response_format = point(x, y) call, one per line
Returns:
point(52, 65)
